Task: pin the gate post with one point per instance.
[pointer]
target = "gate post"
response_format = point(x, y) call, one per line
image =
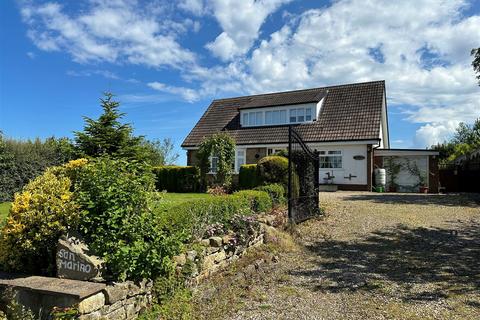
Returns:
point(289, 192)
point(317, 169)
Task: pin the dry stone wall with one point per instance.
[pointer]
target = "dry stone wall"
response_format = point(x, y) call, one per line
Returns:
point(125, 300)
point(216, 253)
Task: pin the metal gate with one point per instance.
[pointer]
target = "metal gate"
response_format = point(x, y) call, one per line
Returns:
point(303, 178)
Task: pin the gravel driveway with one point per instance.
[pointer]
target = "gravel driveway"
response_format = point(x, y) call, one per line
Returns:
point(373, 256)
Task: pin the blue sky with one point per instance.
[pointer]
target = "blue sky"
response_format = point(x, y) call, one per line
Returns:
point(166, 61)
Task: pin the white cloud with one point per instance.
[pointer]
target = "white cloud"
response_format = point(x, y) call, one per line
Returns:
point(432, 133)
point(241, 22)
point(31, 55)
point(187, 94)
point(195, 7)
point(112, 31)
point(424, 48)
point(420, 47)
point(88, 73)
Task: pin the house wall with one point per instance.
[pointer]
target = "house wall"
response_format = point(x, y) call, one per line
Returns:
point(192, 158)
point(251, 155)
point(358, 169)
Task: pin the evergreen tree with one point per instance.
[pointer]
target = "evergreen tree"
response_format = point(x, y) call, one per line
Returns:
point(107, 135)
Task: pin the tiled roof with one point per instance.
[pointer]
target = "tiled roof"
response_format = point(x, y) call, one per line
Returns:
point(284, 98)
point(349, 112)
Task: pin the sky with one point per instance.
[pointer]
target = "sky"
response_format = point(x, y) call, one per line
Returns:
point(167, 60)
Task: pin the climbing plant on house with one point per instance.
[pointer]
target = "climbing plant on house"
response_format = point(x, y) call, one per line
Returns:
point(219, 148)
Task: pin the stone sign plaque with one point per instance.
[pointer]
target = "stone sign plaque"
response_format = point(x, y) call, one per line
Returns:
point(73, 260)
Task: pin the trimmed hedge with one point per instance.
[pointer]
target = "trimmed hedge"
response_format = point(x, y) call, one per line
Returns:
point(273, 169)
point(190, 220)
point(276, 192)
point(260, 201)
point(177, 178)
point(248, 176)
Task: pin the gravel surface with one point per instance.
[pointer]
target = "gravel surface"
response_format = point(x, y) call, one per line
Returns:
point(373, 256)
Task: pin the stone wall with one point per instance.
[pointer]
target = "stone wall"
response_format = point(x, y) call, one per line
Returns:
point(39, 295)
point(124, 300)
point(215, 253)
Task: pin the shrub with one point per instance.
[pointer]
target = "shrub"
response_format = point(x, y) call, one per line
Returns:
point(190, 220)
point(276, 192)
point(217, 191)
point(259, 201)
point(119, 225)
point(39, 215)
point(248, 176)
point(273, 169)
point(177, 178)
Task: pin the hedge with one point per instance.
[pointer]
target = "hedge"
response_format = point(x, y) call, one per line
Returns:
point(177, 178)
point(260, 201)
point(276, 192)
point(248, 176)
point(190, 220)
point(273, 169)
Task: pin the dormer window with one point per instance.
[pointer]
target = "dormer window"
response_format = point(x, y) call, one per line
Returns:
point(278, 115)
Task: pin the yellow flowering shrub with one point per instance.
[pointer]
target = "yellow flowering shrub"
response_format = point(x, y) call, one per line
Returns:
point(38, 216)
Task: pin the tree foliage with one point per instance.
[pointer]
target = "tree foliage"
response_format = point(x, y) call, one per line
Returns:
point(465, 140)
point(107, 135)
point(222, 146)
point(23, 160)
point(476, 62)
point(160, 152)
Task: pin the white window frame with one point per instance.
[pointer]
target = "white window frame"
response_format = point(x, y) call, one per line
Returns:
point(240, 154)
point(278, 116)
point(325, 154)
point(308, 114)
point(293, 116)
point(211, 169)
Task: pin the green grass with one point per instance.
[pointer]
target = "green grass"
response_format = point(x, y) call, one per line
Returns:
point(171, 199)
point(4, 208)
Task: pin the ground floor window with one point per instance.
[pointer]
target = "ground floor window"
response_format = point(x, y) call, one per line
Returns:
point(331, 159)
point(239, 159)
point(213, 164)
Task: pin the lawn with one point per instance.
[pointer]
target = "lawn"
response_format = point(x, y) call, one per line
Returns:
point(171, 199)
point(4, 207)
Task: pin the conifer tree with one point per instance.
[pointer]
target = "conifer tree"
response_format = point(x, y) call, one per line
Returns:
point(107, 135)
